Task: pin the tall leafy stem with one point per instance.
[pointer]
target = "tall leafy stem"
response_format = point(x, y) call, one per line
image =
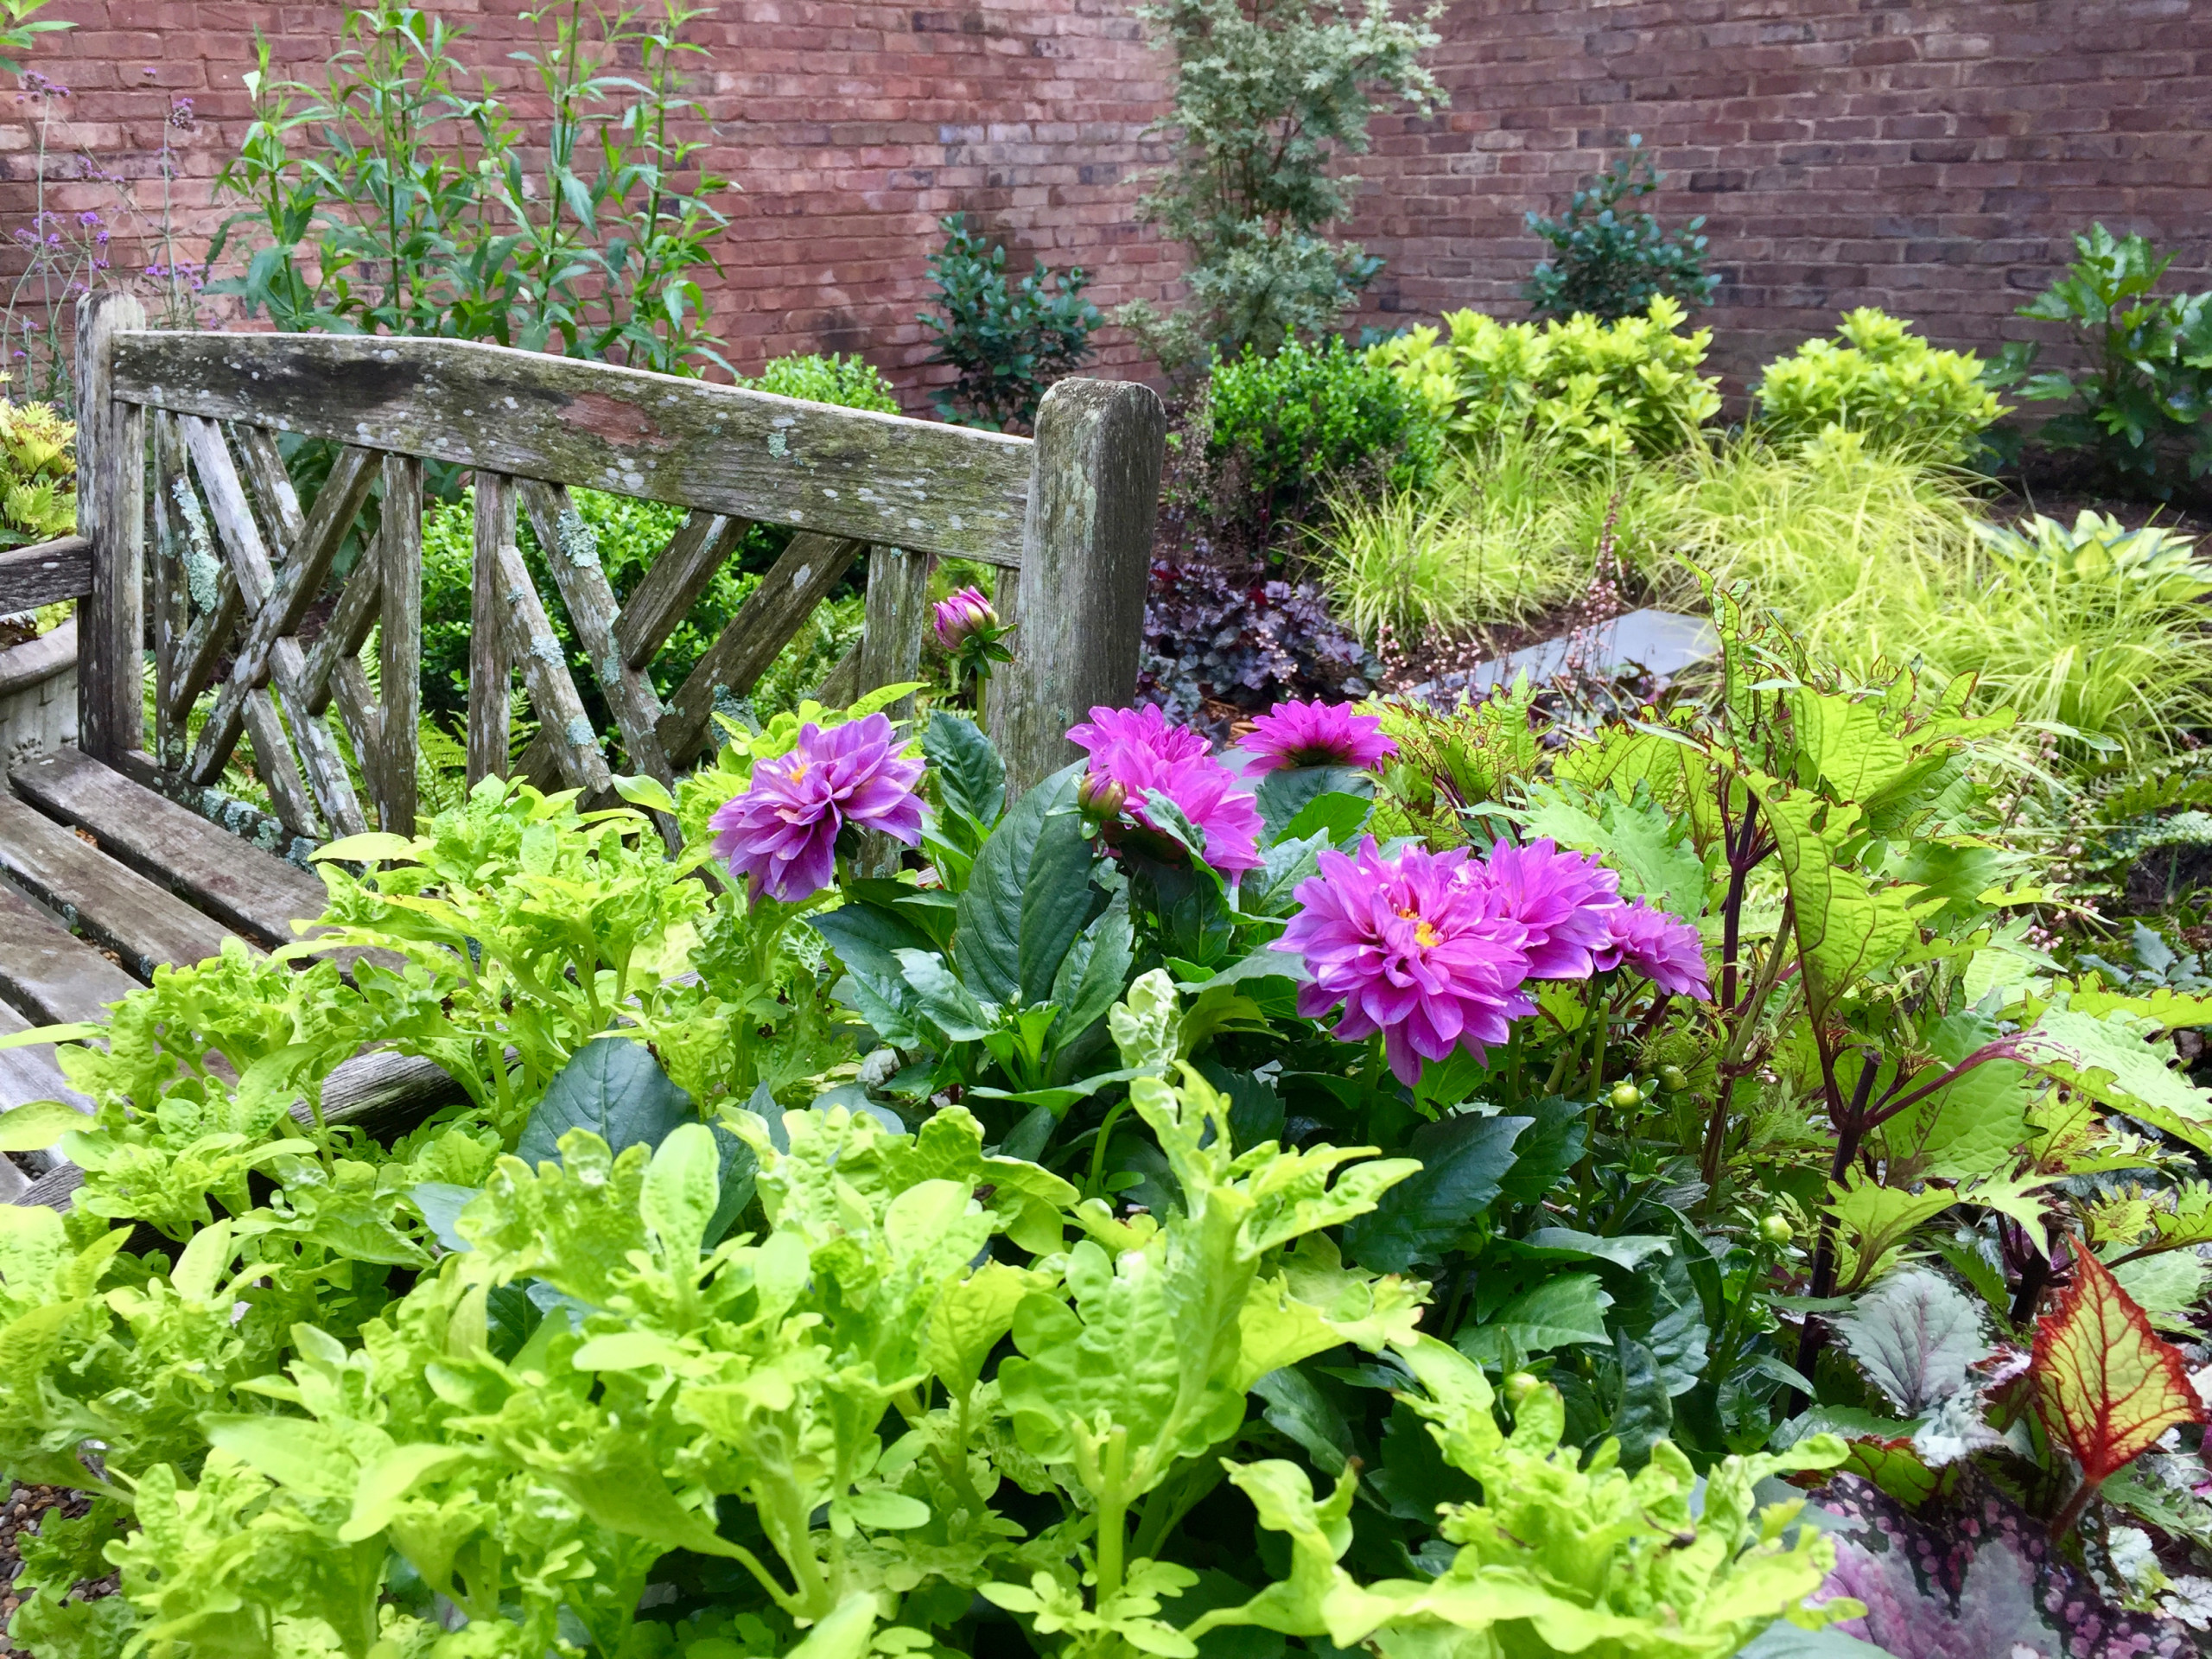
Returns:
point(395, 199)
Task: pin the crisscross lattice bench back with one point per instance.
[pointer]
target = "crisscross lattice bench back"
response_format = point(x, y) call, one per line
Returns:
point(195, 416)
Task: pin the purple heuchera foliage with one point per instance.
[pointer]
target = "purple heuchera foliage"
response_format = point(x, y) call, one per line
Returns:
point(1138, 749)
point(1409, 950)
point(782, 833)
point(1233, 634)
point(1315, 734)
point(1975, 1581)
point(1664, 948)
point(1563, 901)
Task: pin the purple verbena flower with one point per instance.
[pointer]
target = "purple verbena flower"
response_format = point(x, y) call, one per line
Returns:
point(960, 615)
point(1664, 948)
point(782, 832)
point(1410, 949)
point(1137, 749)
point(1561, 899)
point(1315, 734)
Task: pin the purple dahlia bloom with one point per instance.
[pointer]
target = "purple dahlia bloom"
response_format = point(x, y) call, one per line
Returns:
point(1409, 950)
point(1315, 734)
point(1563, 901)
point(1664, 948)
point(1137, 749)
point(782, 832)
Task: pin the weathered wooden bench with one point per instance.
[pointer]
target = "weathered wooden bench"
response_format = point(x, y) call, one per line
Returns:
point(104, 875)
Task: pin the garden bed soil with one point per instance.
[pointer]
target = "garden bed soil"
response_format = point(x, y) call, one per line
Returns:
point(2183, 519)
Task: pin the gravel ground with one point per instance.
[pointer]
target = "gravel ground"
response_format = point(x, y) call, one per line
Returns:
point(20, 1514)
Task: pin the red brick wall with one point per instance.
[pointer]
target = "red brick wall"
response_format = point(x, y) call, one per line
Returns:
point(1929, 157)
point(848, 125)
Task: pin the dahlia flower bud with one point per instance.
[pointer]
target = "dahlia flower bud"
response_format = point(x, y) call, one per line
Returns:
point(1100, 797)
point(965, 613)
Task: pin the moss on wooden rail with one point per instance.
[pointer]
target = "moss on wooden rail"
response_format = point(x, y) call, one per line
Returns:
point(850, 472)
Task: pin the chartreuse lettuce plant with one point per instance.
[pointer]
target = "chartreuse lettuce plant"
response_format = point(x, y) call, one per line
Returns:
point(1557, 1555)
point(595, 1403)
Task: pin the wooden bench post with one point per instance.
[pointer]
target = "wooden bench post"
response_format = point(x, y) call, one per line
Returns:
point(111, 516)
point(1086, 546)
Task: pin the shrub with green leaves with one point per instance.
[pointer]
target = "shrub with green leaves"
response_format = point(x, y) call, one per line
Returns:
point(1008, 342)
point(1885, 383)
point(1090, 1243)
point(400, 197)
point(1281, 431)
point(1597, 390)
point(2145, 402)
point(1610, 263)
point(850, 381)
point(1269, 98)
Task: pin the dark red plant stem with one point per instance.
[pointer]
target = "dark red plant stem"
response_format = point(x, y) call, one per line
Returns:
point(1849, 1132)
point(2035, 1275)
point(2003, 1049)
point(1741, 865)
point(1744, 855)
point(2062, 1523)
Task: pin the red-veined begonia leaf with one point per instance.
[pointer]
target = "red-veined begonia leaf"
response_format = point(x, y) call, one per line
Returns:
point(2106, 1386)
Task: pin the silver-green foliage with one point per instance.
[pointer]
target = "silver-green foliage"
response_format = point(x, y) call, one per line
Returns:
point(1268, 98)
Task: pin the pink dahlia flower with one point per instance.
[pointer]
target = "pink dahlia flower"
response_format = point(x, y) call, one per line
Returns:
point(1562, 899)
point(1409, 950)
point(1315, 734)
point(962, 614)
point(782, 832)
point(1664, 948)
point(1144, 730)
point(1137, 749)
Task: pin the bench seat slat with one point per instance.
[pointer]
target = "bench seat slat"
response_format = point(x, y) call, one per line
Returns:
point(147, 926)
point(243, 887)
point(52, 976)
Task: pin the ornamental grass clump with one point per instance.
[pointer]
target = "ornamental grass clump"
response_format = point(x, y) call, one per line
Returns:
point(1859, 551)
point(1510, 532)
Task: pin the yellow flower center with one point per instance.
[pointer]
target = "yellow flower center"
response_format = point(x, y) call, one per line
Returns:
point(1424, 935)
